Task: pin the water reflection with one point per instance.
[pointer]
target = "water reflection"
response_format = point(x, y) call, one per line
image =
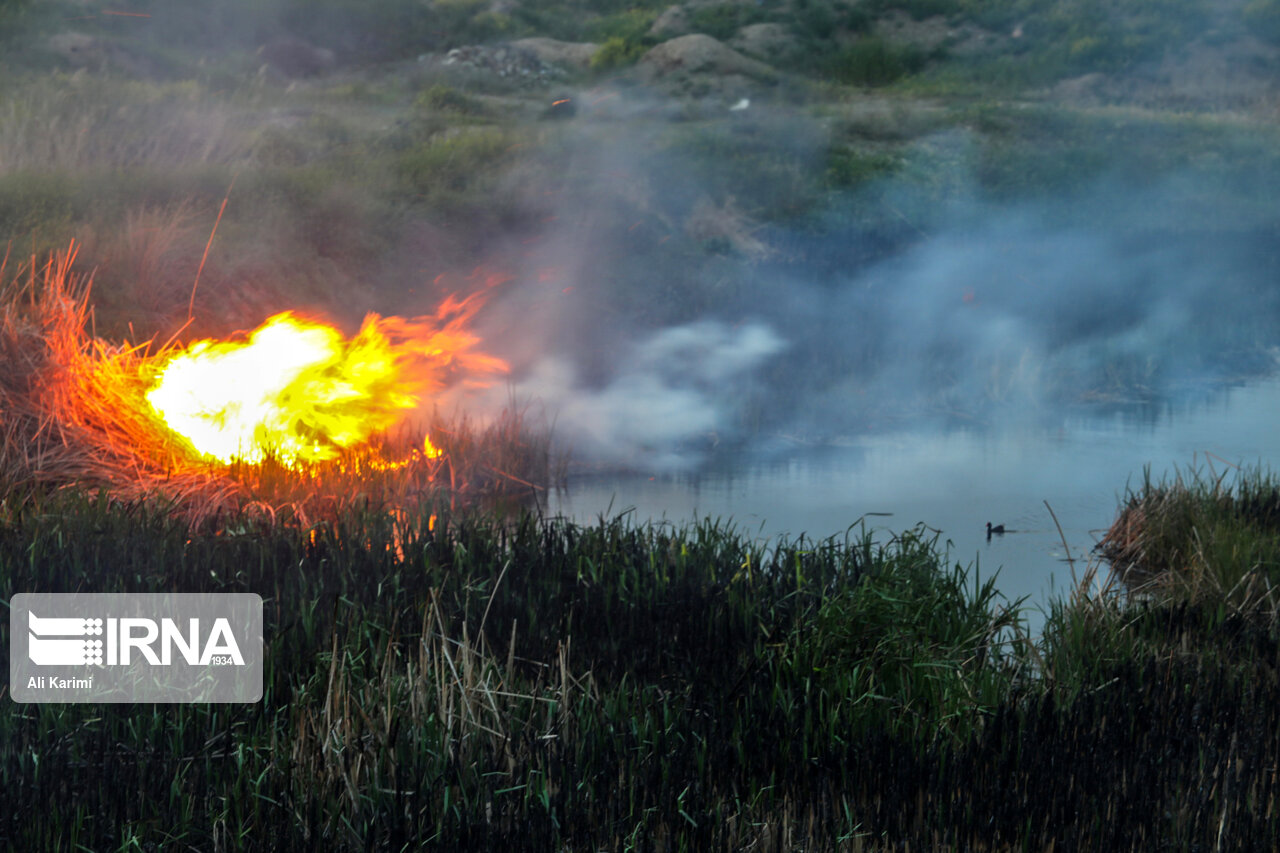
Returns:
point(957, 480)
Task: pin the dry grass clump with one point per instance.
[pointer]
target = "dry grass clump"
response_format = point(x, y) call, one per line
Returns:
point(71, 405)
point(450, 694)
point(80, 122)
point(1200, 538)
point(73, 414)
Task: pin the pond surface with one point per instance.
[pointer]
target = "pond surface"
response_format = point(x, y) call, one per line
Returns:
point(957, 480)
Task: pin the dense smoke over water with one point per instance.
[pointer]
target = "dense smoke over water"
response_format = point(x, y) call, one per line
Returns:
point(976, 311)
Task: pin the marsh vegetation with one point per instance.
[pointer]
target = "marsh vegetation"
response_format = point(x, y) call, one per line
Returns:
point(457, 683)
point(917, 209)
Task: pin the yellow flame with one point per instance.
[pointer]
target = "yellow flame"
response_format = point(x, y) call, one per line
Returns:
point(300, 391)
point(296, 389)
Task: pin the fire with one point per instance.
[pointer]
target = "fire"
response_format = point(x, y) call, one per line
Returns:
point(300, 391)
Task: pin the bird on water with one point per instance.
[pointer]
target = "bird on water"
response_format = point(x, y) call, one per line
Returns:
point(997, 529)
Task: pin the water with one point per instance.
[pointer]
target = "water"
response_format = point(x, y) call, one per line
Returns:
point(958, 480)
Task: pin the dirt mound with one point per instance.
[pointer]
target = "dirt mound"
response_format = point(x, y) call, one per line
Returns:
point(672, 22)
point(768, 42)
point(700, 54)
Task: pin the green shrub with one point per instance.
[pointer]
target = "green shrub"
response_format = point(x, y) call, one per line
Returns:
point(724, 20)
point(616, 52)
point(873, 61)
point(454, 163)
point(816, 20)
point(446, 99)
point(631, 26)
point(847, 167)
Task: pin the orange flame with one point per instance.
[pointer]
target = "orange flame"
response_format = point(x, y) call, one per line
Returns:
point(298, 390)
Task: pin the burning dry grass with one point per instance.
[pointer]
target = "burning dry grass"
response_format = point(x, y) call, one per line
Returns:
point(72, 405)
point(74, 414)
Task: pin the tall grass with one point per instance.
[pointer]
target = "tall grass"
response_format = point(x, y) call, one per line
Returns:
point(1202, 535)
point(464, 684)
point(457, 683)
point(83, 122)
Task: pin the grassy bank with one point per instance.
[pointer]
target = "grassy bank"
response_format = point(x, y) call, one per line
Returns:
point(1203, 535)
point(461, 684)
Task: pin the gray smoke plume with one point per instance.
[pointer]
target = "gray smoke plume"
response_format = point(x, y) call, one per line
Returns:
point(675, 323)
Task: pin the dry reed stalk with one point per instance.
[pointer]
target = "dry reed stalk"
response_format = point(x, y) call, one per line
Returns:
point(1123, 545)
point(72, 405)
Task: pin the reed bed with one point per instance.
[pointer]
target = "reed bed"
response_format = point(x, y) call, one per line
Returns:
point(458, 682)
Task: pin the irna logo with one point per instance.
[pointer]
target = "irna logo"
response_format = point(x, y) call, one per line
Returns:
point(75, 641)
point(146, 647)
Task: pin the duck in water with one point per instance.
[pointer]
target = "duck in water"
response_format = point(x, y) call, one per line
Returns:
point(996, 529)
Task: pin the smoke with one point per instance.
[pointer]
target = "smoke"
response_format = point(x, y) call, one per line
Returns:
point(669, 400)
point(1005, 312)
point(663, 332)
point(687, 279)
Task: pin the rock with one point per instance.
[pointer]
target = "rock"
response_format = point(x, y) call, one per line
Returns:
point(294, 57)
point(769, 42)
point(509, 61)
point(562, 53)
point(674, 21)
point(700, 54)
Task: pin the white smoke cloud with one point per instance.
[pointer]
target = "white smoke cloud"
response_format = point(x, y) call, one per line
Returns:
point(671, 397)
